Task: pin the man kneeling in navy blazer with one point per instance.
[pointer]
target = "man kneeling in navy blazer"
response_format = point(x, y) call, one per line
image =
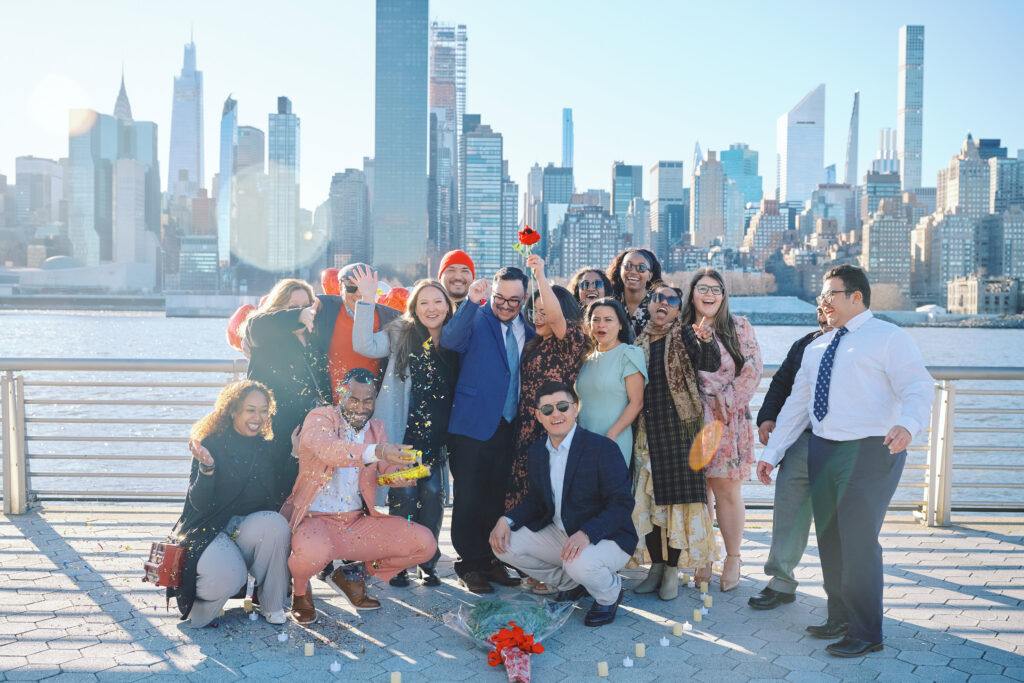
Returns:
point(574, 529)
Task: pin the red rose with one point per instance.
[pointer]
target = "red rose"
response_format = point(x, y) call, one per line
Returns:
point(528, 236)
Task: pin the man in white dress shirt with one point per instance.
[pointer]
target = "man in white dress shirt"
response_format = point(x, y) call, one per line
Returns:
point(864, 391)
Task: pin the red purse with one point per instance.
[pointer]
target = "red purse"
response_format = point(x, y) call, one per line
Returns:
point(165, 564)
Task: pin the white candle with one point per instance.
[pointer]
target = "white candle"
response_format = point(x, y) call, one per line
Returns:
point(602, 669)
point(696, 616)
point(308, 649)
point(396, 677)
point(627, 663)
point(247, 605)
point(335, 667)
point(677, 629)
point(703, 586)
point(703, 610)
point(687, 626)
point(641, 650)
point(707, 600)
point(663, 642)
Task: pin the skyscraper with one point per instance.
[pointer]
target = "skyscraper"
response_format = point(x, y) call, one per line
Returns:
point(251, 149)
point(740, 163)
point(447, 107)
point(482, 197)
point(350, 219)
point(667, 188)
point(400, 143)
point(800, 147)
point(965, 184)
point(226, 178)
point(627, 183)
point(708, 202)
point(556, 195)
point(885, 241)
point(283, 167)
point(567, 138)
point(910, 104)
point(39, 187)
point(851, 141)
point(509, 219)
point(885, 160)
point(187, 130)
point(92, 154)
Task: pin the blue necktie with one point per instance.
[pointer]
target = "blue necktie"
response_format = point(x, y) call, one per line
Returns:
point(821, 387)
point(512, 353)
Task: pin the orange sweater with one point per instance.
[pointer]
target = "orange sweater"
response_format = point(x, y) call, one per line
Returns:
point(340, 356)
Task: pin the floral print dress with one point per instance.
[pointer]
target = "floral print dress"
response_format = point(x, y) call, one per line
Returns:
point(726, 398)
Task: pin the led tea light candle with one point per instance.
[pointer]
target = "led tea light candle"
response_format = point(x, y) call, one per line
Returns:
point(696, 616)
point(602, 669)
point(687, 626)
point(663, 642)
point(703, 586)
point(627, 663)
point(641, 650)
point(396, 677)
point(335, 667)
point(707, 600)
point(677, 629)
point(308, 649)
point(703, 610)
point(247, 605)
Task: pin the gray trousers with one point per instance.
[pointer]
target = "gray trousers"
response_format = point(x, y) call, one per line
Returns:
point(791, 521)
point(539, 554)
point(261, 548)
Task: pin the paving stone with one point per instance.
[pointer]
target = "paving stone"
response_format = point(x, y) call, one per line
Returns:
point(921, 657)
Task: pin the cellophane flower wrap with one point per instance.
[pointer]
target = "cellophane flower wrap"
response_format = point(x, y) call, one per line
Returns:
point(511, 629)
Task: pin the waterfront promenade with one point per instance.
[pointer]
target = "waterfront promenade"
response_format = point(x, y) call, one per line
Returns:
point(73, 607)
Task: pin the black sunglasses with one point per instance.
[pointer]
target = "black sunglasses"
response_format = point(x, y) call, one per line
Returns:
point(547, 408)
point(351, 289)
point(591, 284)
point(670, 299)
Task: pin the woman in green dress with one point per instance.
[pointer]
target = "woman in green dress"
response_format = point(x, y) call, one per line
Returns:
point(611, 382)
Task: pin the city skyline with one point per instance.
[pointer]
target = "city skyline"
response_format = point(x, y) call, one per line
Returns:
point(338, 135)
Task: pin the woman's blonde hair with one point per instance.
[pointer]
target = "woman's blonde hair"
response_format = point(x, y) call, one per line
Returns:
point(229, 402)
point(277, 299)
point(411, 333)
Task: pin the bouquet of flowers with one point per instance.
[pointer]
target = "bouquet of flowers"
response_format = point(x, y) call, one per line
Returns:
point(511, 629)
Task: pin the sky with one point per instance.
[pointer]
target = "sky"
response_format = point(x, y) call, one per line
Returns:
point(646, 80)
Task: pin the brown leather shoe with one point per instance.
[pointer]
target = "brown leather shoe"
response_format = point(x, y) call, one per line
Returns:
point(500, 575)
point(355, 591)
point(303, 611)
point(476, 582)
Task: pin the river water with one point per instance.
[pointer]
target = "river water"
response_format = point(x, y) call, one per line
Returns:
point(131, 335)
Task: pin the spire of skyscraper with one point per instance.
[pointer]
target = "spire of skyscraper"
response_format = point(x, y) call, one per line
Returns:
point(698, 155)
point(122, 108)
point(568, 142)
point(186, 169)
point(910, 105)
point(851, 141)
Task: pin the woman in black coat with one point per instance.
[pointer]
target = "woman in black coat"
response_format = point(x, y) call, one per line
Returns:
point(286, 361)
point(230, 526)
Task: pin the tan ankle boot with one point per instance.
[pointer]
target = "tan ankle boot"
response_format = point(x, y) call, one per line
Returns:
point(669, 588)
point(650, 584)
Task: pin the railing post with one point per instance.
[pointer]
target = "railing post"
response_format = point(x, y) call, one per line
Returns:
point(945, 502)
point(15, 474)
point(931, 492)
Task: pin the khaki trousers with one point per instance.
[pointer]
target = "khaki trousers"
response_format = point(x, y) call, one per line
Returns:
point(539, 554)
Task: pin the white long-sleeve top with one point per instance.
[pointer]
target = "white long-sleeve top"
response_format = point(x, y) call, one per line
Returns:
point(878, 381)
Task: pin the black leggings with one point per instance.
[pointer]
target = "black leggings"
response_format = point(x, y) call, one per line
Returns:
point(653, 540)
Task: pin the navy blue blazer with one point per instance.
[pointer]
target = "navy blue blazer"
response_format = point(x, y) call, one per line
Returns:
point(476, 334)
point(596, 493)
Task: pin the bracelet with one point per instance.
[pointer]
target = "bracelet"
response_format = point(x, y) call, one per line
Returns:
point(205, 469)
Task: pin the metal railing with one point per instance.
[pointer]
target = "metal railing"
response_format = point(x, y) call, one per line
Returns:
point(115, 430)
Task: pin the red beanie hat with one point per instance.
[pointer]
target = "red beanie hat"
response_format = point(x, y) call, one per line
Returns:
point(456, 257)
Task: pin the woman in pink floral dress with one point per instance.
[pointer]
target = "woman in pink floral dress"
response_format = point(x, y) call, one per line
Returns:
point(726, 397)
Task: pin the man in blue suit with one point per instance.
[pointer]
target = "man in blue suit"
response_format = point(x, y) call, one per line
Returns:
point(490, 342)
point(574, 529)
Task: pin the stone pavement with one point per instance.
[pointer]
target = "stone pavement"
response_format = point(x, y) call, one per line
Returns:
point(73, 607)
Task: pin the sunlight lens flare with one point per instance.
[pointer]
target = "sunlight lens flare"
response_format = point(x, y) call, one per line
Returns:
point(705, 445)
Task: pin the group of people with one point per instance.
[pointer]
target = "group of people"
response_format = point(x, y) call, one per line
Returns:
point(587, 429)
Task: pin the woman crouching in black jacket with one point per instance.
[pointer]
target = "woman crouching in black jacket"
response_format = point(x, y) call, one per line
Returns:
point(230, 526)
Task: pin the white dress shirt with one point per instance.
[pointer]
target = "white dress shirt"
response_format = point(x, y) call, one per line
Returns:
point(342, 493)
point(559, 457)
point(879, 381)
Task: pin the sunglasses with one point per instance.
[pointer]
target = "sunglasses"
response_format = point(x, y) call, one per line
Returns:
point(640, 268)
point(351, 289)
point(547, 408)
point(591, 284)
point(670, 299)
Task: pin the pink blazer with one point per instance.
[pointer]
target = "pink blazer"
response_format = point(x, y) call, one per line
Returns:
point(322, 448)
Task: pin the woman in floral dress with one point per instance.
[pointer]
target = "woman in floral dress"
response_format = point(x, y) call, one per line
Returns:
point(726, 396)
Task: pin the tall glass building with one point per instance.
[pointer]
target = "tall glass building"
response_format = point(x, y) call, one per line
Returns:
point(186, 156)
point(400, 144)
point(482, 191)
point(740, 163)
point(283, 206)
point(92, 153)
point(567, 138)
point(910, 104)
point(627, 184)
point(800, 147)
point(226, 178)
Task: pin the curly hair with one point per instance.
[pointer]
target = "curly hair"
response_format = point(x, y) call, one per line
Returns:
point(229, 402)
point(615, 270)
point(574, 282)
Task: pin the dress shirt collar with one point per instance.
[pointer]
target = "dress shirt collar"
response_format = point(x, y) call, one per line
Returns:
point(858, 320)
point(564, 446)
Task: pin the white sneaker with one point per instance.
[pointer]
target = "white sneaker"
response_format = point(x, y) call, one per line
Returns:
point(277, 618)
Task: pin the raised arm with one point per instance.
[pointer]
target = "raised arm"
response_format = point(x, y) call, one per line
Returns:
point(458, 332)
point(266, 329)
point(365, 341)
point(705, 356)
point(552, 309)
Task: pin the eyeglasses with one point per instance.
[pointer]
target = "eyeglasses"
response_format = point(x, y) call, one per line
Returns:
point(638, 267)
point(547, 408)
point(591, 284)
point(670, 299)
point(826, 298)
point(717, 290)
point(351, 289)
point(502, 301)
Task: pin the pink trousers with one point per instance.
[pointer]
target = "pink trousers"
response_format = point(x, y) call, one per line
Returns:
point(386, 544)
